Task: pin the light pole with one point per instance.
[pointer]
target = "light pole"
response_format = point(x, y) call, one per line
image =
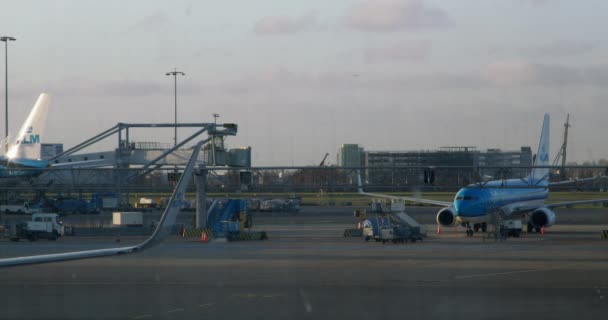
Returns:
point(175, 73)
point(215, 138)
point(6, 39)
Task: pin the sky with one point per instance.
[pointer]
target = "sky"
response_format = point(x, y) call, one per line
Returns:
point(301, 78)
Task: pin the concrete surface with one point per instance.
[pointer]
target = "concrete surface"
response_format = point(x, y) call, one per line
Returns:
point(308, 271)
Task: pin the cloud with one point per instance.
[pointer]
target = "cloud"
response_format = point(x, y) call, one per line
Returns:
point(557, 49)
point(82, 86)
point(537, 2)
point(154, 22)
point(395, 15)
point(277, 25)
point(522, 73)
point(409, 51)
point(496, 75)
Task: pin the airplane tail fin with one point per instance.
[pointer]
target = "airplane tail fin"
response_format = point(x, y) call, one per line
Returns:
point(540, 176)
point(27, 144)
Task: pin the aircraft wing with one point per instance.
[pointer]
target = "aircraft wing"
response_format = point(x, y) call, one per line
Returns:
point(81, 164)
point(410, 199)
point(559, 183)
point(163, 229)
point(573, 203)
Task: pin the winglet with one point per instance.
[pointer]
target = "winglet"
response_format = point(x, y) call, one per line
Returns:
point(167, 221)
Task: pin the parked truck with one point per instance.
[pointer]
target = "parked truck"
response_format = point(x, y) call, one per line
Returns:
point(23, 208)
point(42, 225)
point(127, 218)
point(106, 201)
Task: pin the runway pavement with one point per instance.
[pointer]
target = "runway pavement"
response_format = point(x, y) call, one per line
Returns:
point(308, 271)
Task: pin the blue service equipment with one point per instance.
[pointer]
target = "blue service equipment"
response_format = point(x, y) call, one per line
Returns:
point(71, 205)
point(377, 223)
point(97, 200)
point(223, 217)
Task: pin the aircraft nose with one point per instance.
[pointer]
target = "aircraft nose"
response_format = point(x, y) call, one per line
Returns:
point(458, 208)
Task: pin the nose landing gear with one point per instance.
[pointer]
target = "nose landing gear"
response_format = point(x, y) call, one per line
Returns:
point(476, 228)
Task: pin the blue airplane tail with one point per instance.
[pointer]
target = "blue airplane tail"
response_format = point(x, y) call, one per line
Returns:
point(540, 176)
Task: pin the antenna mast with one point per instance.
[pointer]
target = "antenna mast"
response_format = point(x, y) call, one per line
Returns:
point(562, 171)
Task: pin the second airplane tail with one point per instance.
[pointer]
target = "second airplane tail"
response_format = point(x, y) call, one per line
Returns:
point(540, 176)
point(27, 144)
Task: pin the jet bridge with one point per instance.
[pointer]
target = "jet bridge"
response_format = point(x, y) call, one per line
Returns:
point(127, 152)
point(72, 171)
point(70, 167)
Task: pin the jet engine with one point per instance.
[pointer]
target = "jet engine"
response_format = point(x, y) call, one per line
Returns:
point(446, 217)
point(542, 217)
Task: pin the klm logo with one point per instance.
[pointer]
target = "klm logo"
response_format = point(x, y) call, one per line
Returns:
point(32, 139)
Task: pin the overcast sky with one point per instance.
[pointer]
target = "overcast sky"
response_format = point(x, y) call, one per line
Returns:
point(303, 77)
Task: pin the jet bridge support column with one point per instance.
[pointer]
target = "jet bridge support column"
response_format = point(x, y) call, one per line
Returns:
point(200, 179)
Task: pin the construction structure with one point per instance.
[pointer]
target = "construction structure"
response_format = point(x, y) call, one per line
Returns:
point(563, 151)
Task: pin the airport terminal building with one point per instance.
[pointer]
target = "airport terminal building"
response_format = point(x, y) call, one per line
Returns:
point(402, 168)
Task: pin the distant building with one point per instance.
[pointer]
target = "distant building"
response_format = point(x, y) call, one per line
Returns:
point(506, 159)
point(392, 166)
point(49, 150)
point(351, 155)
point(448, 156)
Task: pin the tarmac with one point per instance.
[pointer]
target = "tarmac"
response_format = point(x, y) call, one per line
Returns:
point(307, 270)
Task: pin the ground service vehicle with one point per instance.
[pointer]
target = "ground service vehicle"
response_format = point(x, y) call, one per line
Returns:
point(43, 225)
point(17, 208)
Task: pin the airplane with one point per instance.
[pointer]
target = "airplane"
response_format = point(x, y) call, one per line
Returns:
point(23, 157)
point(163, 229)
point(476, 206)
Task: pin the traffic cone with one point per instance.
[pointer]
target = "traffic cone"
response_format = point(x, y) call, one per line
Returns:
point(204, 237)
point(438, 229)
point(542, 231)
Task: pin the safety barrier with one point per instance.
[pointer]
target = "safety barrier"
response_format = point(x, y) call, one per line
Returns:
point(196, 232)
point(244, 236)
point(353, 233)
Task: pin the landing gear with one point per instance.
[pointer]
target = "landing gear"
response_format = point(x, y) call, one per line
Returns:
point(470, 231)
point(532, 228)
point(476, 227)
point(484, 227)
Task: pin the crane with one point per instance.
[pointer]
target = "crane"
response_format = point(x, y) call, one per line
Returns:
point(323, 161)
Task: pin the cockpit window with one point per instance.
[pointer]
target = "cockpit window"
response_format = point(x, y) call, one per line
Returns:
point(467, 198)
